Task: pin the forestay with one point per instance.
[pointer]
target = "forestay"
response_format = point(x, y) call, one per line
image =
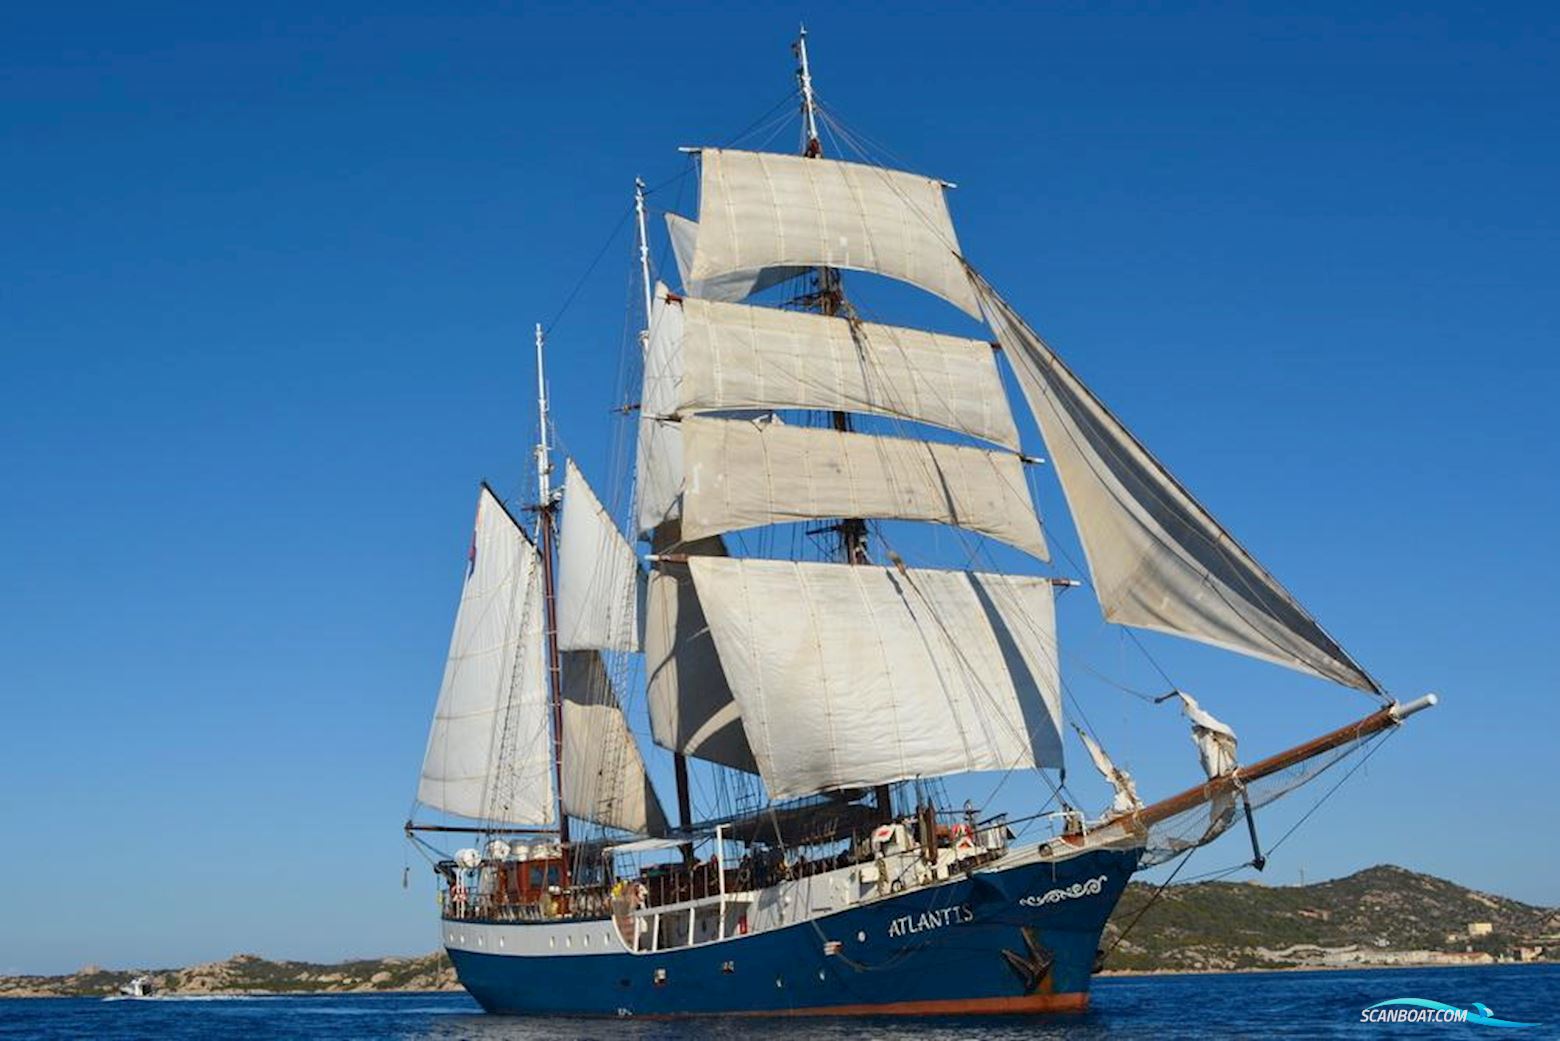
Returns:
point(740, 357)
point(1159, 560)
point(489, 753)
point(851, 676)
point(604, 776)
point(732, 285)
point(599, 581)
point(691, 707)
point(762, 210)
point(746, 473)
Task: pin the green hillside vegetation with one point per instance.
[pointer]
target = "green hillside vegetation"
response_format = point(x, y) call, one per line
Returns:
point(1242, 924)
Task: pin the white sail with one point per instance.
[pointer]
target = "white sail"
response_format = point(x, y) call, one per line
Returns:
point(691, 707)
point(604, 776)
point(731, 285)
point(1214, 738)
point(746, 473)
point(489, 753)
point(740, 357)
point(761, 210)
point(659, 462)
point(1125, 797)
point(599, 581)
point(1159, 560)
point(852, 676)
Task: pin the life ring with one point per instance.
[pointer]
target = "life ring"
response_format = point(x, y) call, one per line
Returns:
point(897, 886)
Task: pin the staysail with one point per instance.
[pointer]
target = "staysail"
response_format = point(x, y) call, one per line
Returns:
point(760, 210)
point(489, 754)
point(746, 473)
point(599, 581)
point(1158, 559)
point(735, 356)
point(852, 676)
point(604, 776)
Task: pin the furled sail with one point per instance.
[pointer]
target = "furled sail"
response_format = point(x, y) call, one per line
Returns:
point(740, 357)
point(658, 462)
point(1213, 737)
point(489, 751)
point(851, 676)
point(746, 473)
point(1124, 798)
point(604, 776)
point(599, 580)
point(1159, 560)
point(691, 707)
point(732, 285)
point(761, 210)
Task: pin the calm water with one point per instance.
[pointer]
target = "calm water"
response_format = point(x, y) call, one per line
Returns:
point(1166, 1008)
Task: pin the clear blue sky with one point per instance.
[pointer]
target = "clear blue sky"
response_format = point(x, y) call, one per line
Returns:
point(268, 279)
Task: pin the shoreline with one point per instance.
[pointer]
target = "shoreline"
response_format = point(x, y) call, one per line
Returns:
point(1140, 973)
point(1109, 974)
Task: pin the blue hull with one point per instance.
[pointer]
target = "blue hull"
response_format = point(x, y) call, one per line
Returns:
point(1022, 940)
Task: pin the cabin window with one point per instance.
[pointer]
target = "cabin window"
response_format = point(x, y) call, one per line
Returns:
point(553, 877)
point(536, 876)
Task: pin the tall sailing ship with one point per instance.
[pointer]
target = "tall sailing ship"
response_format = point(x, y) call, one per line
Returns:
point(817, 689)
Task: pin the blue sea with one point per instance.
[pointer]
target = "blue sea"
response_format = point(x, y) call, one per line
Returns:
point(1265, 1006)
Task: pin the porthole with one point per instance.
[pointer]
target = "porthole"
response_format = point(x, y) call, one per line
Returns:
point(501, 941)
point(552, 941)
point(587, 939)
point(568, 941)
point(779, 981)
point(861, 937)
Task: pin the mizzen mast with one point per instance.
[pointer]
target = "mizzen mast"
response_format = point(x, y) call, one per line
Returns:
point(546, 529)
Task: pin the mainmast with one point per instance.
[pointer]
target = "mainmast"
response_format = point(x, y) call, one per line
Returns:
point(852, 530)
point(546, 530)
point(679, 761)
point(644, 257)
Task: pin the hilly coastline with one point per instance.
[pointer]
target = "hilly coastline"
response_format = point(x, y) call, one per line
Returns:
point(1382, 916)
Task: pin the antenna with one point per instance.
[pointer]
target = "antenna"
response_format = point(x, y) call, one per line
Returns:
point(644, 255)
point(811, 146)
point(543, 445)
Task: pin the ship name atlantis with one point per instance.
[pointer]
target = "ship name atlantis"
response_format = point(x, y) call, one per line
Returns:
point(906, 925)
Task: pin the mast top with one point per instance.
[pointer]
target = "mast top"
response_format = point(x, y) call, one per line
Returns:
point(543, 446)
point(811, 146)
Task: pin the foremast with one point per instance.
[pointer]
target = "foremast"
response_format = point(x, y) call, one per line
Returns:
point(829, 300)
